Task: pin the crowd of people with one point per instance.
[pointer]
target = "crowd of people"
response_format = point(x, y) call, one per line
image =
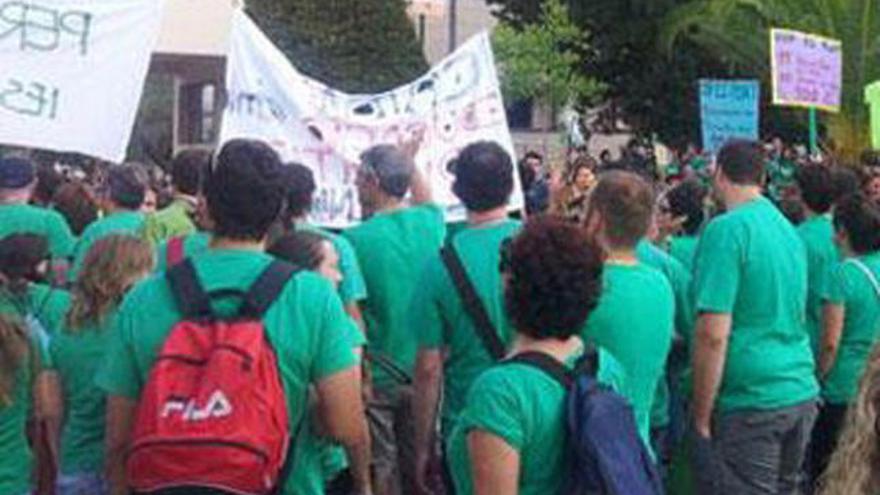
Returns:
point(204, 337)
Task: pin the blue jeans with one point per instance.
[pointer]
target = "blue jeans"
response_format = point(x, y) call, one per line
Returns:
point(82, 484)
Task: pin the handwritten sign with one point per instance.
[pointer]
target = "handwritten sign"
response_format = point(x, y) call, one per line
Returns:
point(807, 70)
point(73, 71)
point(729, 109)
point(456, 103)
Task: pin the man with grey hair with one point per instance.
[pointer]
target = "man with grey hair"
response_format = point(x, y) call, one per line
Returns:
point(18, 179)
point(392, 244)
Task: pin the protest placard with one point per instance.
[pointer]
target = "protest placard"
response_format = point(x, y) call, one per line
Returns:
point(456, 103)
point(807, 70)
point(728, 110)
point(73, 72)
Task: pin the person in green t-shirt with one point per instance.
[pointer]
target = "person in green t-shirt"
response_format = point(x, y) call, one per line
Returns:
point(851, 323)
point(817, 233)
point(17, 182)
point(113, 265)
point(121, 196)
point(451, 352)
point(682, 214)
point(306, 325)
point(636, 314)
point(176, 219)
point(754, 389)
point(511, 436)
point(321, 465)
point(392, 245)
point(301, 189)
point(22, 383)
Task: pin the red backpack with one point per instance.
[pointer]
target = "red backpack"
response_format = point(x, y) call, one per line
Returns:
point(213, 415)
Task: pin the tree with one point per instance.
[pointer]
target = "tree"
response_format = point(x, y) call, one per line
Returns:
point(357, 46)
point(739, 31)
point(541, 60)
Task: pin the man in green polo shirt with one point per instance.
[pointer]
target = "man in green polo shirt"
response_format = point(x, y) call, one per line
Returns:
point(17, 182)
point(392, 245)
point(635, 317)
point(754, 397)
point(451, 352)
point(122, 195)
point(817, 233)
point(175, 220)
point(306, 325)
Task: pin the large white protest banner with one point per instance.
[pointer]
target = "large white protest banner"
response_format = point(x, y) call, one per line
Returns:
point(456, 103)
point(72, 72)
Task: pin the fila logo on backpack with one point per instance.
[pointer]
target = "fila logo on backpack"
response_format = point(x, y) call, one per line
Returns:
point(213, 415)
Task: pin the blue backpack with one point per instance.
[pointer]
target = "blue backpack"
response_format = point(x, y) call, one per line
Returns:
point(608, 456)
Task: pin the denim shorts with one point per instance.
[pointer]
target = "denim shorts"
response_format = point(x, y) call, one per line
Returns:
point(82, 484)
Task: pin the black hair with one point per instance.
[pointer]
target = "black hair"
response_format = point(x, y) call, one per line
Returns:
point(300, 248)
point(816, 186)
point(77, 204)
point(300, 183)
point(845, 182)
point(533, 155)
point(554, 278)
point(187, 170)
point(859, 217)
point(48, 182)
point(483, 176)
point(794, 210)
point(742, 162)
point(688, 199)
point(20, 258)
point(127, 186)
point(245, 190)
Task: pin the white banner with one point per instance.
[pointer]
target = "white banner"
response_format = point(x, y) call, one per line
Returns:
point(73, 71)
point(457, 103)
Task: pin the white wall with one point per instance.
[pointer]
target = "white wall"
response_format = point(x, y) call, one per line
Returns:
point(196, 27)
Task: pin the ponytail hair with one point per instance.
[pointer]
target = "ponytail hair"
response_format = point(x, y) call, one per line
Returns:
point(14, 353)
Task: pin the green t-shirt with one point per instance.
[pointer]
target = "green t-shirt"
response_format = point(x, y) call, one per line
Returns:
point(123, 222)
point(679, 279)
point(16, 461)
point(27, 219)
point(751, 264)
point(683, 248)
point(525, 407)
point(850, 287)
point(818, 236)
point(48, 305)
point(391, 247)
point(306, 326)
point(76, 356)
point(352, 288)
point(193, 244)
point(319, 459)
point(634, 321)
point(442, 322)
point(169, 222)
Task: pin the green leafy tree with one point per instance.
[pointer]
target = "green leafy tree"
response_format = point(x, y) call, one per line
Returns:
point(739, 31)
point(542, 60)
point(358, 46)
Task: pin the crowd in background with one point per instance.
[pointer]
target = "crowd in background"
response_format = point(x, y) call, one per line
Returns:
point(731, 302)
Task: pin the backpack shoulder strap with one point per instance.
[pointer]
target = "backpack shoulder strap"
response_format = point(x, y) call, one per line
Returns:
point(267, 288)
point(174, 251)
point(192, 300)
point(547, 364)
point(868, 273)
point(472, 303)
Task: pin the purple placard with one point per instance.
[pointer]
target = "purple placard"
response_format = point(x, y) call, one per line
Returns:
point(807, 70)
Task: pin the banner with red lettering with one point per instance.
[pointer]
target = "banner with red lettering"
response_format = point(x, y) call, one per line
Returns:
point(72, 72)
point(456, 103)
